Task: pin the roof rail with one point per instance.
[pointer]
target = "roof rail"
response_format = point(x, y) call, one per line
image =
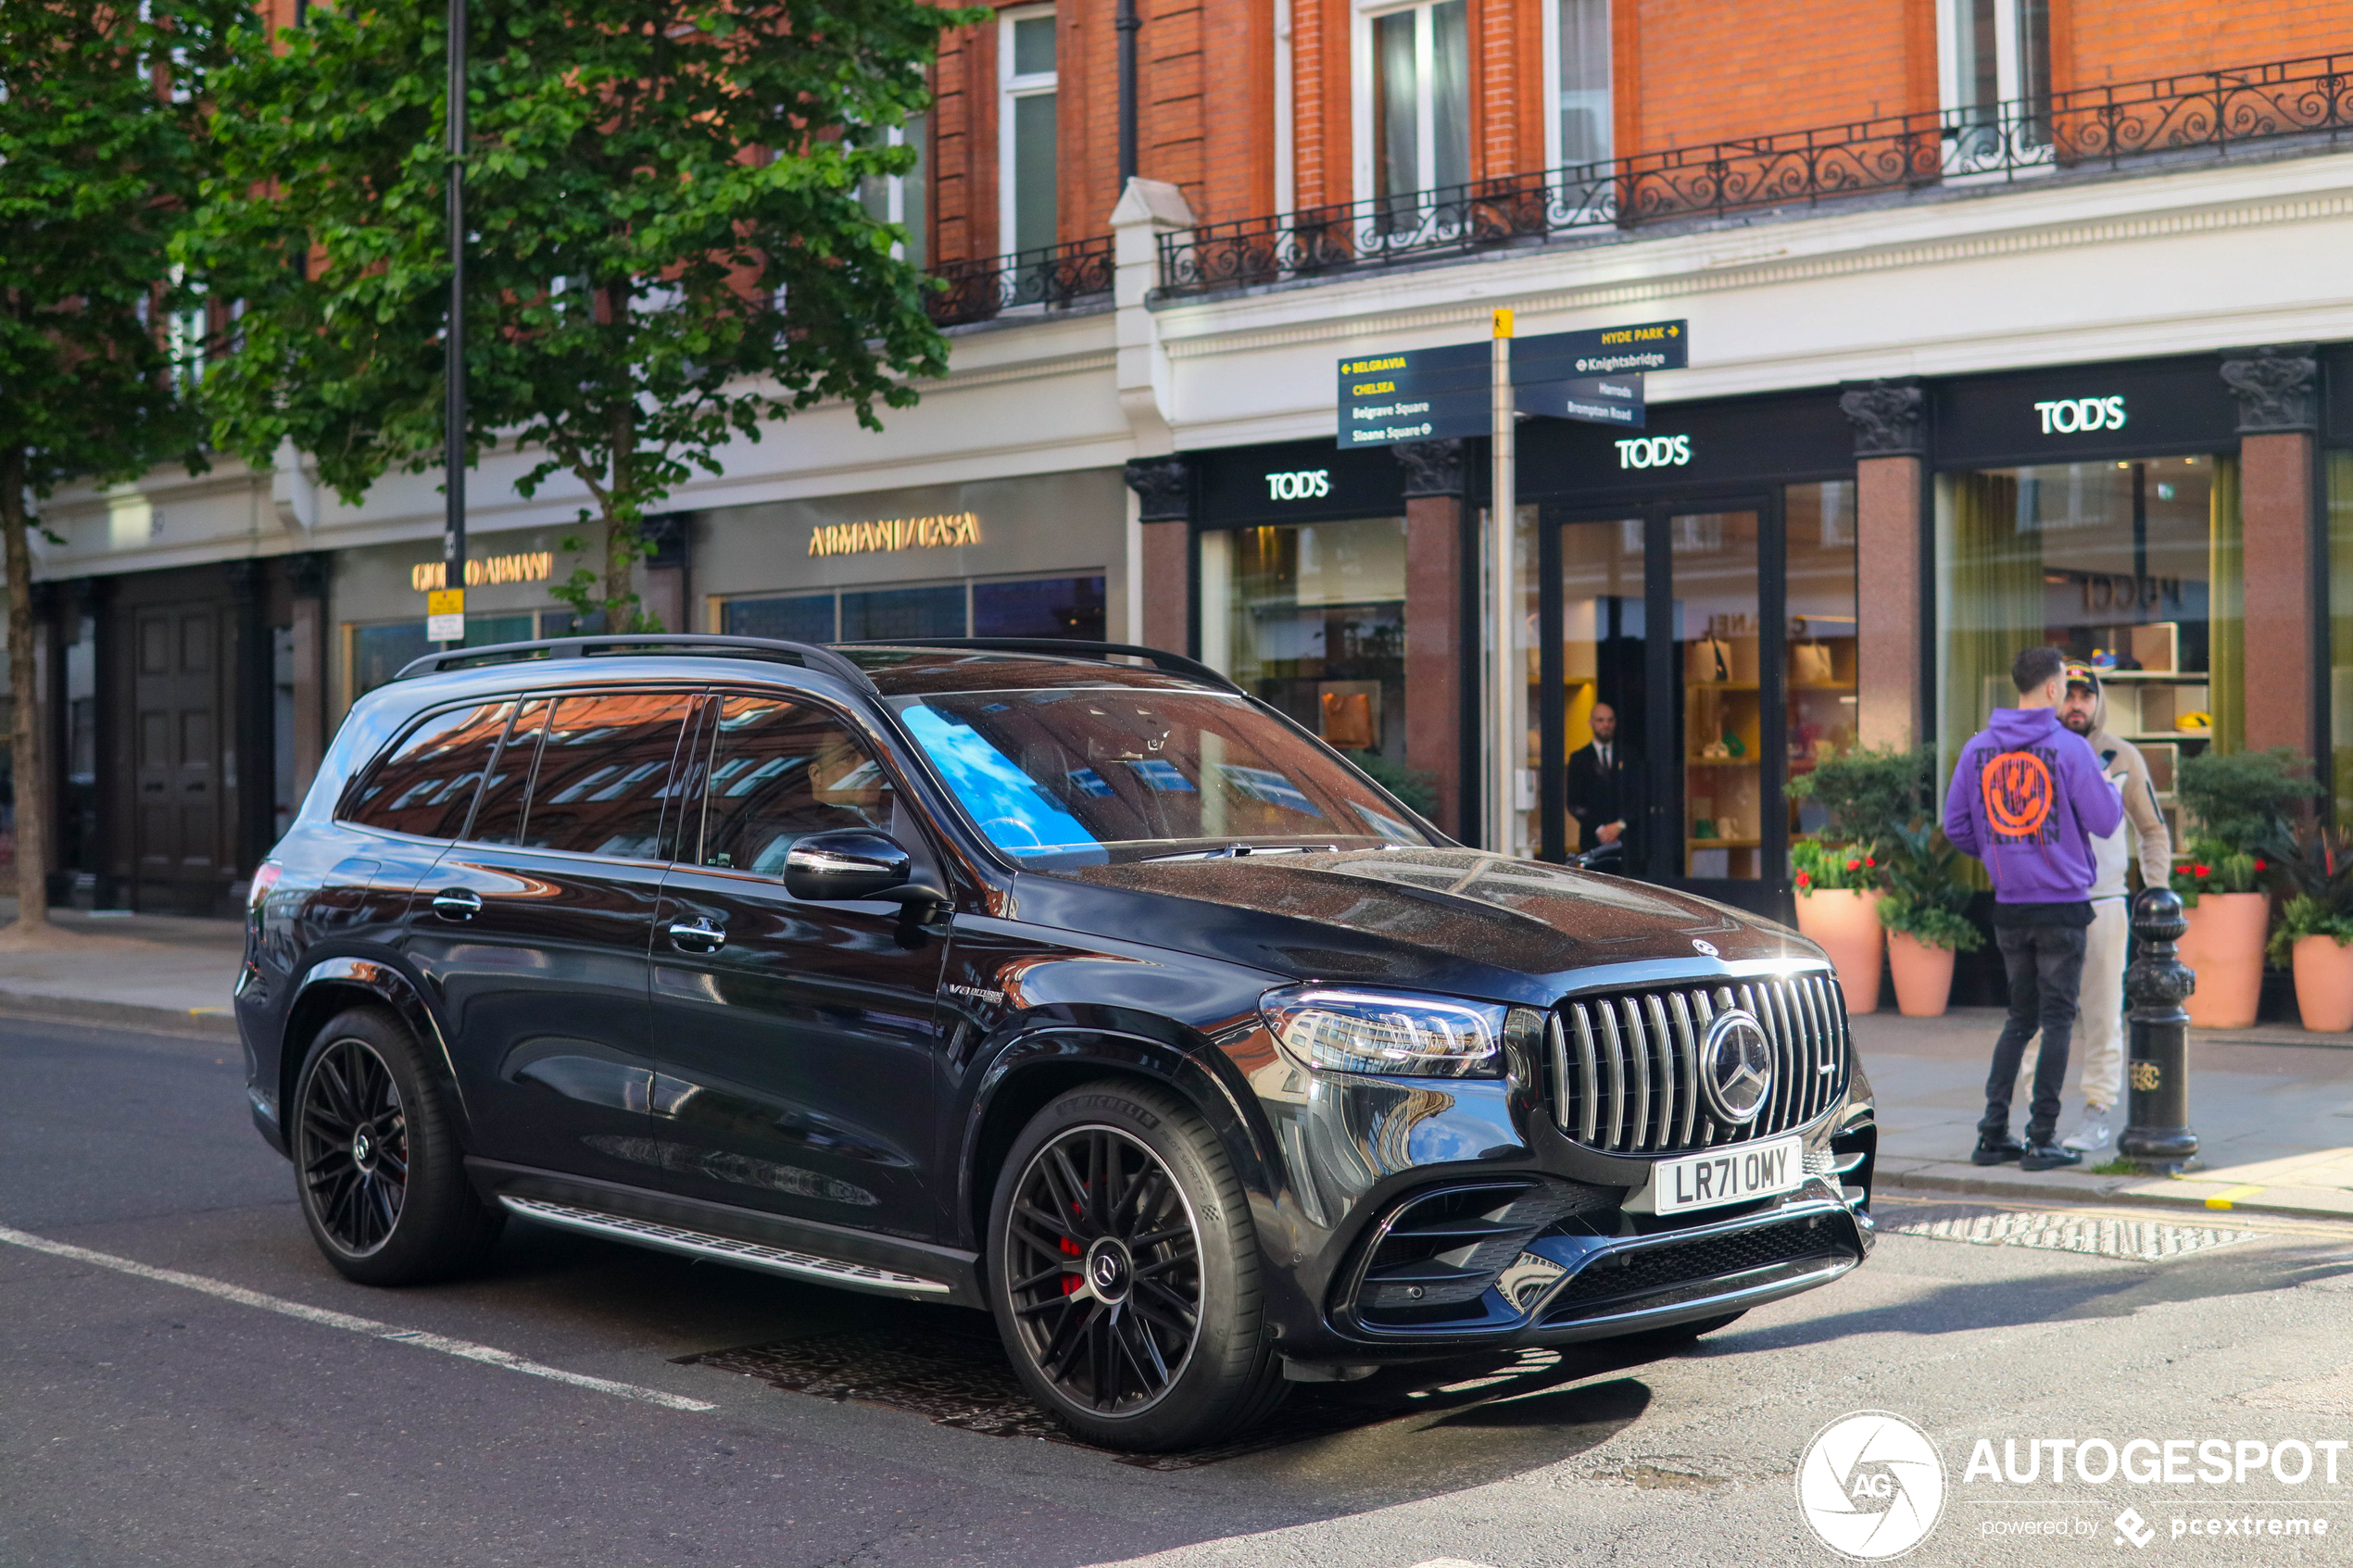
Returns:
point(807, 655)
point(1171, 663)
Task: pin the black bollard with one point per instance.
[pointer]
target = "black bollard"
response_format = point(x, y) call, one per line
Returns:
point(2157, 1075)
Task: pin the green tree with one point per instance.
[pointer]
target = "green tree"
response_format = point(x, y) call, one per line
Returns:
point(101, 152)
point(667, 246)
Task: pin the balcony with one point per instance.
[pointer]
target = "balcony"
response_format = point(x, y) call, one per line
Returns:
point(1054, 278)
point(2116, 127)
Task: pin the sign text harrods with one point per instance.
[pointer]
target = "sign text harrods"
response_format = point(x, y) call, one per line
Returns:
point(944, 531)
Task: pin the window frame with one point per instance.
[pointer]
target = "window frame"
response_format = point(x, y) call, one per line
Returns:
point(1012, 87)
point(1363, 92)
point(1556, 59)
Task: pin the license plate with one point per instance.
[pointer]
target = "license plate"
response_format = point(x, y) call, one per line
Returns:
point(1727, 1176)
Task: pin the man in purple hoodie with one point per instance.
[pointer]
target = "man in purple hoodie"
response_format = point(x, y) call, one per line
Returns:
point(2027, 798)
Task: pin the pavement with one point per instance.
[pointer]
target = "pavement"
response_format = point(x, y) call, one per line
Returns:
point(2273, 1104)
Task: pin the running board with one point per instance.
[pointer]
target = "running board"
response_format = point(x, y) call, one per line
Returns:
point(726, 1250)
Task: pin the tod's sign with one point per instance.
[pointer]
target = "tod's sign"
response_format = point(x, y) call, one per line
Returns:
point(2070, 416)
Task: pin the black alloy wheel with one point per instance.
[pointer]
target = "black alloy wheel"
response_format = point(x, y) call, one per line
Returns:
point(354, 1153)
point(377, 1160)
point(1102, 1264)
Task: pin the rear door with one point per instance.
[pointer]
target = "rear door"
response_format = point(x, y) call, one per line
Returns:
point(795, 1039)
point(534, 929)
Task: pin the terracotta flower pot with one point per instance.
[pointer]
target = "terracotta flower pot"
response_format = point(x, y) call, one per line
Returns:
point(2225, 947)
point(2324, 983)
point(1845, 925)
point(1923, 975)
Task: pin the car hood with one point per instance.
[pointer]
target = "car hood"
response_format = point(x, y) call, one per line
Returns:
point(1453, 919)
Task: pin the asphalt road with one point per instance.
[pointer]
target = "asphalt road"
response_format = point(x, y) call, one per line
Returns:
point(238, 1402)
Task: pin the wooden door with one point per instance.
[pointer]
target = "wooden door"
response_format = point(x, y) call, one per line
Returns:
point(176, 699)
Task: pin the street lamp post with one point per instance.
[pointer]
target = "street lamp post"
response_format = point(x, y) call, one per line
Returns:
point(448, 621)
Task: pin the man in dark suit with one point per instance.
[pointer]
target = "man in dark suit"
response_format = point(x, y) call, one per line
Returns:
point(1600, 784)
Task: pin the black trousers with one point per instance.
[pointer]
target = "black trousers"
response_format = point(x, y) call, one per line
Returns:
point(2045, 968)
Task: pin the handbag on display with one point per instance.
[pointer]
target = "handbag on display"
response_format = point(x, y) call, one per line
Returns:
point(1810, 664)
point(1714, 659)
point(1348, 721)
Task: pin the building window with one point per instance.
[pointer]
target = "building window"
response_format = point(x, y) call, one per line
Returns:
point(1417, 104)
point(1580, 52)
point(1311, 617)
point(2133, 566)
point(899, 198)
point(1998, 52)
point(1028, 607)
point(1027, 215)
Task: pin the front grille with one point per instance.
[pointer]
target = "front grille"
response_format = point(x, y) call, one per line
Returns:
point(1692, 1268)
point(1625, 1068)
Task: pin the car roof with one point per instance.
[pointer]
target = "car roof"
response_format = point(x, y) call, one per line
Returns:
point(928, 672)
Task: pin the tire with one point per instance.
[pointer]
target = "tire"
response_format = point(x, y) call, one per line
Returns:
point(377, 1164)
point(1137, 1321)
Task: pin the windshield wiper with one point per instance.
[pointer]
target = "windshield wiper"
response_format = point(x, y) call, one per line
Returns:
point(1234, 851)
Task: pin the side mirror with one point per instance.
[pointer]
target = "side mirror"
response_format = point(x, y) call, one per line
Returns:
point(854, 864)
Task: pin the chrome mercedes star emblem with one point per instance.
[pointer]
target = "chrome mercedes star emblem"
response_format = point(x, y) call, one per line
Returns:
point(1707, 947)
point(1737, 1066)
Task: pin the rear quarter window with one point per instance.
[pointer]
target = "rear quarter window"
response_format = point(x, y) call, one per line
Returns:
point(426, 786)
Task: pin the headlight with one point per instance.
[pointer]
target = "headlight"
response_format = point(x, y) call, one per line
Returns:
point(1382, 1032)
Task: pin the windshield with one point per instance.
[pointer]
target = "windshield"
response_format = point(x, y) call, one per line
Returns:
point(1086, 777)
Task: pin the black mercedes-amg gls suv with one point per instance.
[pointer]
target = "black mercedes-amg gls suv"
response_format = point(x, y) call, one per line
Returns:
point(1062, 980)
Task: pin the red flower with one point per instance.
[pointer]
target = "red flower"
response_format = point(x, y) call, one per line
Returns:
point(1869, 861)
point(1804, 881)
point(1853, 865)
point(2200, 870)
point(2261, 866)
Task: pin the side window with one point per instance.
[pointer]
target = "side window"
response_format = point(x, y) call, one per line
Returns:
point(780, 770)
point(427, 786)
point(604, 773)
point(499, 820)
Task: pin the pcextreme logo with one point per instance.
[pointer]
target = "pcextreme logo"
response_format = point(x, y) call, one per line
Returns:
point(1871, 1484)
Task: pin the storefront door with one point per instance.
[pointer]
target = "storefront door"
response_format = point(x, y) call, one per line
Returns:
point(1685, 672)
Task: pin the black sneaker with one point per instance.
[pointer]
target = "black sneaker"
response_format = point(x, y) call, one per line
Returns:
point(1989, 1152)
point(2048, 1157)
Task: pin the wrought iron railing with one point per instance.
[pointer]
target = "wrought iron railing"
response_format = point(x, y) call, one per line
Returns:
point(2091, 127)
point(1055, 277)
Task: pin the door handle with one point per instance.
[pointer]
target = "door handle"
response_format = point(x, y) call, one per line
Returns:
point(457, 903)
point(698, 936)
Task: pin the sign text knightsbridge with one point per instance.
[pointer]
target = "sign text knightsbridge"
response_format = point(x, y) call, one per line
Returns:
point(1874, 1486)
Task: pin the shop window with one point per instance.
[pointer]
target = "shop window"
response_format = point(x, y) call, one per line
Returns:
point(2340, 502)
point(1719, 645)
point(1311, 617)
point(1045, 606)
point(373, 655)
point(1416, 116)
point(878, 613)
point(801, 617)
point(1580, 48)
point(899, 198)
point(1603, 674)
point(1025, 109)
point(2135, 566)
point(1820, 650)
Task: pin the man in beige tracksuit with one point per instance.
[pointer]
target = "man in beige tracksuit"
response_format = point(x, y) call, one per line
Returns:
point(2084, 711)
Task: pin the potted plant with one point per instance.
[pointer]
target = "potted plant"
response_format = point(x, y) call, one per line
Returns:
point(1838, 897)
point(1871, 795)
point(2238, 807)
point(2314, 938)
point(1926, 913)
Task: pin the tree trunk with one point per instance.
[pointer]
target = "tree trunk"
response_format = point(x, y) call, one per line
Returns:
point(24, 686)
point(622, 543)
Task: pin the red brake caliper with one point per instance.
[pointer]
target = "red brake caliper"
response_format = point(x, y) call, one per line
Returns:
point(1070, 1282)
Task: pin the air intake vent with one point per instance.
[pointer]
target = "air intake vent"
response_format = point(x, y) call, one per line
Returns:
point(1626, 1070)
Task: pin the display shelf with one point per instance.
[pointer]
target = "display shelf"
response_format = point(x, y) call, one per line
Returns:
point(1692, 759)
point(1723, 844)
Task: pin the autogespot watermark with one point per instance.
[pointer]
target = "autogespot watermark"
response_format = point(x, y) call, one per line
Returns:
point(1874, 1486)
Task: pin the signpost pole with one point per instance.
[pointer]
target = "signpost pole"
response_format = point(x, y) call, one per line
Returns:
point(1505, 674)
point(445, 622)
